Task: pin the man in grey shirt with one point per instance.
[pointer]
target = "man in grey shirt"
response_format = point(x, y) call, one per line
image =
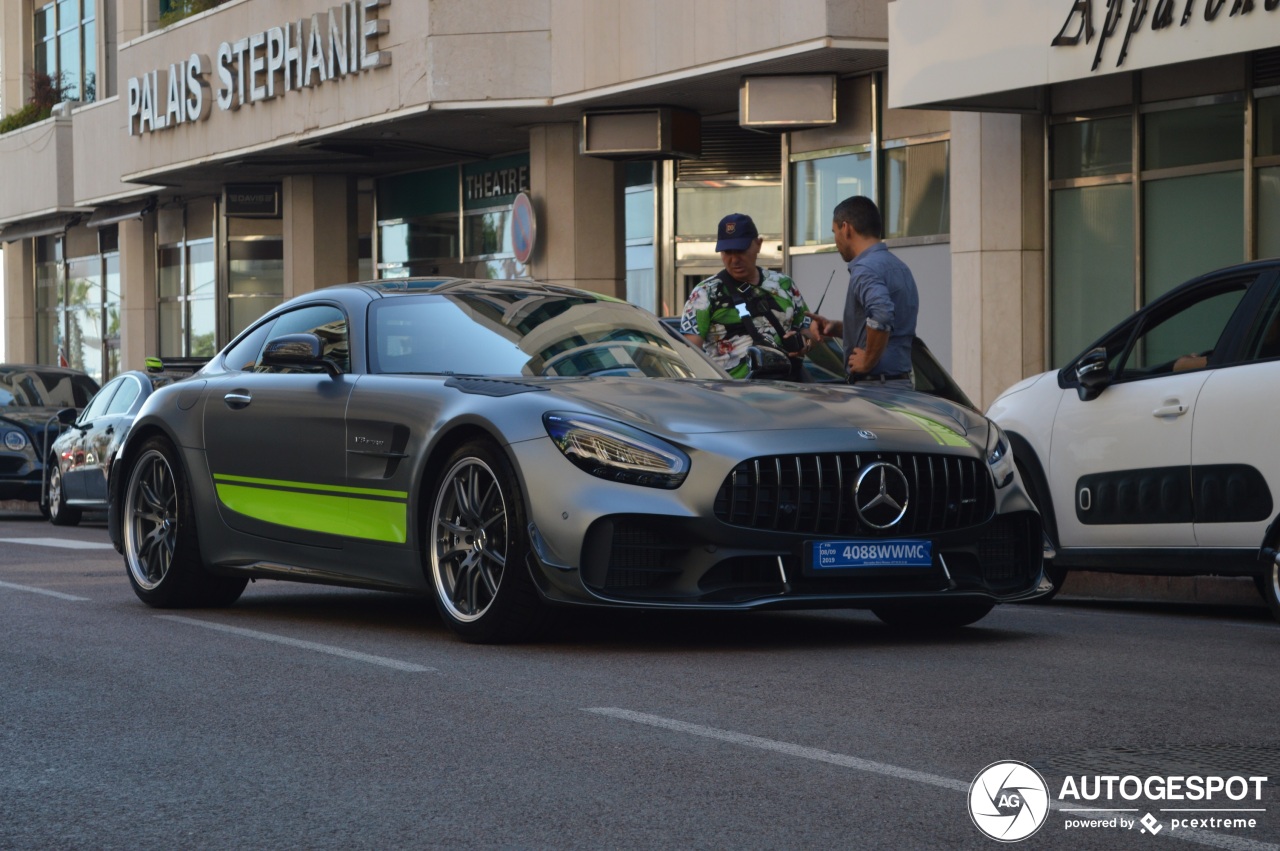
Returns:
point(882, 302)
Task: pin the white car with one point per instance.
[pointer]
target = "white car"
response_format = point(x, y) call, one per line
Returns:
point(1152, 451)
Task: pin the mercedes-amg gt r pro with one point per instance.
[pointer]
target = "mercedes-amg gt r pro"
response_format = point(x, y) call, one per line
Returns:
point(506, 447)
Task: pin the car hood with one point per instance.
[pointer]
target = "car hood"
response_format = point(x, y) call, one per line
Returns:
point(698, 407)
point(32, 420)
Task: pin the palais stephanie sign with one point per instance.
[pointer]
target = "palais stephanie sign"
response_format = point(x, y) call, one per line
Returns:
point(1165, 15)
point(268, 64)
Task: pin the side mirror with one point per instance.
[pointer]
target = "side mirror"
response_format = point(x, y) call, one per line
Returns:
point(298, 351)
point(1092, 373)
point(67, 416)
point(767, 363)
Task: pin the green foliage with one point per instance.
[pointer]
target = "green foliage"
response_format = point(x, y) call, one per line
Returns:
point(28, 114)
point(46, 91)
point(179, 9)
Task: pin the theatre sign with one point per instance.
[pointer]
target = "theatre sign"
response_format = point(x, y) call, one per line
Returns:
point(299, 54)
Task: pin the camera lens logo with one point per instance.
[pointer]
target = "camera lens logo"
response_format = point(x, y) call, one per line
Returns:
point(1008, 801)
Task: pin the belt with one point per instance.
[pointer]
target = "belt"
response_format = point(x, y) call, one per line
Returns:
point(882, 378)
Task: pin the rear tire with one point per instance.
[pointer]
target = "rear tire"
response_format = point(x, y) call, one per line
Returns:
point(934, 616)
point(60, 514)
point(477, 547)
point(161, 552)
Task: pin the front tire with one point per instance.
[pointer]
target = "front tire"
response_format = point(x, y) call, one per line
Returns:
point(477, 547)
point(934, 616)
point(60, 514)
point(1057, 575)
point(161, 551)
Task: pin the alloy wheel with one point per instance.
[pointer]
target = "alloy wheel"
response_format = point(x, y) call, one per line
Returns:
point(469, 541)
point(151, 520)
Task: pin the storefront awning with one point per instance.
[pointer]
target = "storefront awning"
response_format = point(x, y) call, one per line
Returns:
point(44, 226)
point(117, 213)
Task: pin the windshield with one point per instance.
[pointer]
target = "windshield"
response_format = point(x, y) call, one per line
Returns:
point(523, 333)
point(32, 387)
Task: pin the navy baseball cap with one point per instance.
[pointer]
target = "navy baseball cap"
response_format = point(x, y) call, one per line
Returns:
point(736, 233)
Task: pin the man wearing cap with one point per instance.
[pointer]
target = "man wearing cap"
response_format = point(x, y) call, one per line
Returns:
point(744, 305)
point(882, 303)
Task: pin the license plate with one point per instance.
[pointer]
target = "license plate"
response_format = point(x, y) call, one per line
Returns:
point(852, 555)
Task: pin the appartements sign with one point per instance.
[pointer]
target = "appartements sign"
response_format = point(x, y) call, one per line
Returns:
point(269, 64)
point(1165, 15)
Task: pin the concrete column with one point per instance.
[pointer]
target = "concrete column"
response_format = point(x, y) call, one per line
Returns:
point(997, 251)
point(19, 302)
point(139, 330)
point(579, 204)
point(320, 237)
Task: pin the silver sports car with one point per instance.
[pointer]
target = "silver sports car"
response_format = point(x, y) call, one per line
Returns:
point(509, 447)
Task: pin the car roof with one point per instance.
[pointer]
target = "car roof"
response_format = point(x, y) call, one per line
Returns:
point(391, 287)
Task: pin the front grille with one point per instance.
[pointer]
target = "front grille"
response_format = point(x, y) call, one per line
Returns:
point(813, 494)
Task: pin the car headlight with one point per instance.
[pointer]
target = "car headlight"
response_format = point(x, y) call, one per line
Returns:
point(999, 456)
point(15, 441)
point(618, 452)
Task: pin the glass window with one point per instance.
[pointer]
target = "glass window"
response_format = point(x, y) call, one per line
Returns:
point(1092, 264)
point(1202, 134)
point(129, 391)
point(916, 185)
point(1191, 225)
point(1269, 212)
point(326, 322)
point(1092, 148)
point(1190, 328)
point(1267, 115)
point(699, 209)
point(65, 42)
point(817, 186)
point(98, 405)
point(486, 234)
point(245, 353)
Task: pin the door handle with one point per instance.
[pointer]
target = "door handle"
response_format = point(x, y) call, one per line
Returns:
point(1170, 408)
point(237, 400)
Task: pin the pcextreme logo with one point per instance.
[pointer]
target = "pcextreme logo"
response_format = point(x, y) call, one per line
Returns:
point(1010, 800)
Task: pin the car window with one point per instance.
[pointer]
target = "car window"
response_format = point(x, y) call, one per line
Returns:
point(37, 388)
point(129, 390)
point(1182, 335)
point(99, 403)
point(507, 333)
point(1264, 337)
point(326, 322)
point(244, 353)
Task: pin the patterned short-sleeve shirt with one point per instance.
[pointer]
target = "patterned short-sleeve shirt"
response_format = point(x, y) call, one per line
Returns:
point(707, 316)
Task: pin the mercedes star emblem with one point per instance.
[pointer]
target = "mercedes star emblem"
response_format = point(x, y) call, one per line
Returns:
point(881, 495)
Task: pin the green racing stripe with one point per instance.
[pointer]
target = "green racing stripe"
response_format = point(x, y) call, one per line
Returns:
point(378, 515)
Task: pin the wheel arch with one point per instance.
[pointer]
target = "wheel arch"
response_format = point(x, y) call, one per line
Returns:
point(444, 445)
point(122, 465)
point(1028, 460)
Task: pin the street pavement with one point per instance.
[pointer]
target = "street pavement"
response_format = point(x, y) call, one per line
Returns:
point(315, 717)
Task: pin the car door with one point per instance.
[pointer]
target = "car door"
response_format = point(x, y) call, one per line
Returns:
point(76, 455)
point(103, 435)
point(275, 437)
point(1235, 467)
point(1120, 461)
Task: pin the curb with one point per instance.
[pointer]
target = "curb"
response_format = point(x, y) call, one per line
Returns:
point(1210, 590)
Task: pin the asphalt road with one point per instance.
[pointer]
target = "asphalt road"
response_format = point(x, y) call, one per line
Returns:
point(313, 717)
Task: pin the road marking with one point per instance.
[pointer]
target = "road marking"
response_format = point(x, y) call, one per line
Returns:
point(43, 591)
point(1203, 837)
point(62, 543)
point(305, 645)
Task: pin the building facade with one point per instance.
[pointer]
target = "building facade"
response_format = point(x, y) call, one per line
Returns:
point(201, 169)
point(1103, 151)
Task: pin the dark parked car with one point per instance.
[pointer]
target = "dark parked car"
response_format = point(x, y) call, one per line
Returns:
point(31, 398)
point(506, 446)
point(79, 462)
